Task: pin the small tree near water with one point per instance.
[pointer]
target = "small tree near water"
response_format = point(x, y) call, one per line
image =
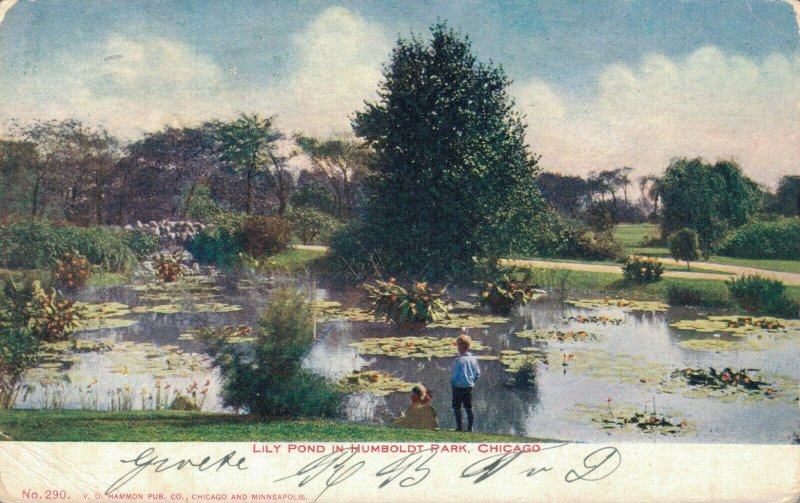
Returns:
point(266, 378)
point(685, 245)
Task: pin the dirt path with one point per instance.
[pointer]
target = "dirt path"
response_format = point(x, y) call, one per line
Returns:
point(787, 277)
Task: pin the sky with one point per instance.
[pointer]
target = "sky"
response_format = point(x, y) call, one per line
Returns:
point(601, 84)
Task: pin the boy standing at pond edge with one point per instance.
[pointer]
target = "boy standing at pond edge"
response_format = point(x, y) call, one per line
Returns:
point(463, 375)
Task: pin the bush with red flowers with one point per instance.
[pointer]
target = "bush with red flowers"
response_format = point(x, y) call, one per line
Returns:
point(72, 271)
point(168, 267)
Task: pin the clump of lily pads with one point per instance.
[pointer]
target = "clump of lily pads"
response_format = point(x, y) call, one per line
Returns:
point(738, 325)
point(231, 333)
point(514, 360)
point(374, 382)
point(332, 310)
point(101, 315)
point(412, 347)
point(203, 307)
point(623, 304)
point(557, 335)
point(726, 379)
point(626, 417)
point(602, 319)
point(718, 345)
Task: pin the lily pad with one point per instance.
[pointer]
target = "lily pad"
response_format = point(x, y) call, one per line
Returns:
point(557, 335)
point(513, 360)
point(211, 307)
point(231, 333)
point(412, 347)
point(719, 345)
point(374, 382)
point(739, 325)
point(102, 309)
point(600, 320)
point(332, 310)
point(469, 319)
point(104, 323)
point(623, 304)
point(632, 418)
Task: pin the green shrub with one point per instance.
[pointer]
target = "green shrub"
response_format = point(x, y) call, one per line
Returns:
point(142, 243)
point(579, 242)
point(507, 290)
point(681, 294)
point(314, 196)
point(267, 379)
point(779, 239)
point(265, 235)
point(684, 245)
point(763, 295)
point(417, 305)
point(642, 269)
point(19, 350)
point(220, 243)
point(311, 225)
point(39, 244)
point(201, 207)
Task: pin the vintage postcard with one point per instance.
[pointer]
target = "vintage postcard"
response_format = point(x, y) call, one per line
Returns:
point(399, 251)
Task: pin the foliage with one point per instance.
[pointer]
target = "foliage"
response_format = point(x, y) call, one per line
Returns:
point(787, 197)
point(759, 294)
point(199, 205)
point(682, 294)
point(506, 292)
point(526, 375)
point(576, 241)
point(220, 243)
point(168, 266)
point(315, 196)
point(48, 315)
point(710, 199)
point(642, 269)
point(452, 177)
point(417, 306)
point(39, 244)
point(72, 271)
point(340, 163)
point(265, 235)
point(18, 350)
point(684, 244)
point(311, 225)
point(267, 378)
point(715, 379)
point(248, 147)
point(141, 243)
point(779, 239)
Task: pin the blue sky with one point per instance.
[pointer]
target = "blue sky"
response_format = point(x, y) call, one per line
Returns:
point(603, 84)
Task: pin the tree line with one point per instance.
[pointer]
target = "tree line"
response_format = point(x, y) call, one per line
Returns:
point(70, 171)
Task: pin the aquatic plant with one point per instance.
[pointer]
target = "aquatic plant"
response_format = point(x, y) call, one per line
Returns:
point(72, 271)
point(412, 347)
point(374, 382)
point(623, 304)
point(642, 269)
point(602, 319)
point(168, 266)
point(556, 335)
point(407, 308)
point(507, 290)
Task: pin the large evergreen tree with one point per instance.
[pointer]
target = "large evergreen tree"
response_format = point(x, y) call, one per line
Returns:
point(452, 175)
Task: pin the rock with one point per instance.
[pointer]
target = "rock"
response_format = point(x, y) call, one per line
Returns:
point(128, 227)
point(152, 223)
point(139, 224)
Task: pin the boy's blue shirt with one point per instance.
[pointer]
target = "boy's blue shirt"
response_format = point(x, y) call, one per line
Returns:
point(465, 371)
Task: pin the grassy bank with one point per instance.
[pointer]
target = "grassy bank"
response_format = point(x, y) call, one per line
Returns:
point(172, 426)
point(599, 283)
point(630, 236)
point(98, 279)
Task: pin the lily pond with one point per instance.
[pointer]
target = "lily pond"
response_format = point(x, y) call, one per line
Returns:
point(581, 370)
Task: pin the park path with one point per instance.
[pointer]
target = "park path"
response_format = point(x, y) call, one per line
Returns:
point(788, 278)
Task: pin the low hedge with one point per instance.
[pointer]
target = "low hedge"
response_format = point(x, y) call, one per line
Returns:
point(777, 239)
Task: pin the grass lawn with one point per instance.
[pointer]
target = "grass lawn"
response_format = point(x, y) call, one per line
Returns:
point(599, 283)
point(630, 236)
point(293, 260)
point(173, 426)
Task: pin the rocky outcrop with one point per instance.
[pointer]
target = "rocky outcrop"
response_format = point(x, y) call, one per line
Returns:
point(170, 231)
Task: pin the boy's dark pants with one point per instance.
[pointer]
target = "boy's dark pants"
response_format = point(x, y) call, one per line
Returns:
point(462, 396)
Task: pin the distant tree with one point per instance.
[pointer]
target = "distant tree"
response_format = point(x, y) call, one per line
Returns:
point(18, 167)
point(569, 195)
point(249, 147)
point(788, 196)
point(341, 164)
point(314, 195)
point(452, 175)
point(74, 165)
point(684, 244)
point(649, 190)
point(710, 199)
point(165, 163)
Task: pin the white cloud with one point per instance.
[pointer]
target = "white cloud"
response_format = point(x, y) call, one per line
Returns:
point(128, 85)
point(709, 104)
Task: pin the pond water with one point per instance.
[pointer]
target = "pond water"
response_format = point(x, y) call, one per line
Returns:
point(615, 370)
